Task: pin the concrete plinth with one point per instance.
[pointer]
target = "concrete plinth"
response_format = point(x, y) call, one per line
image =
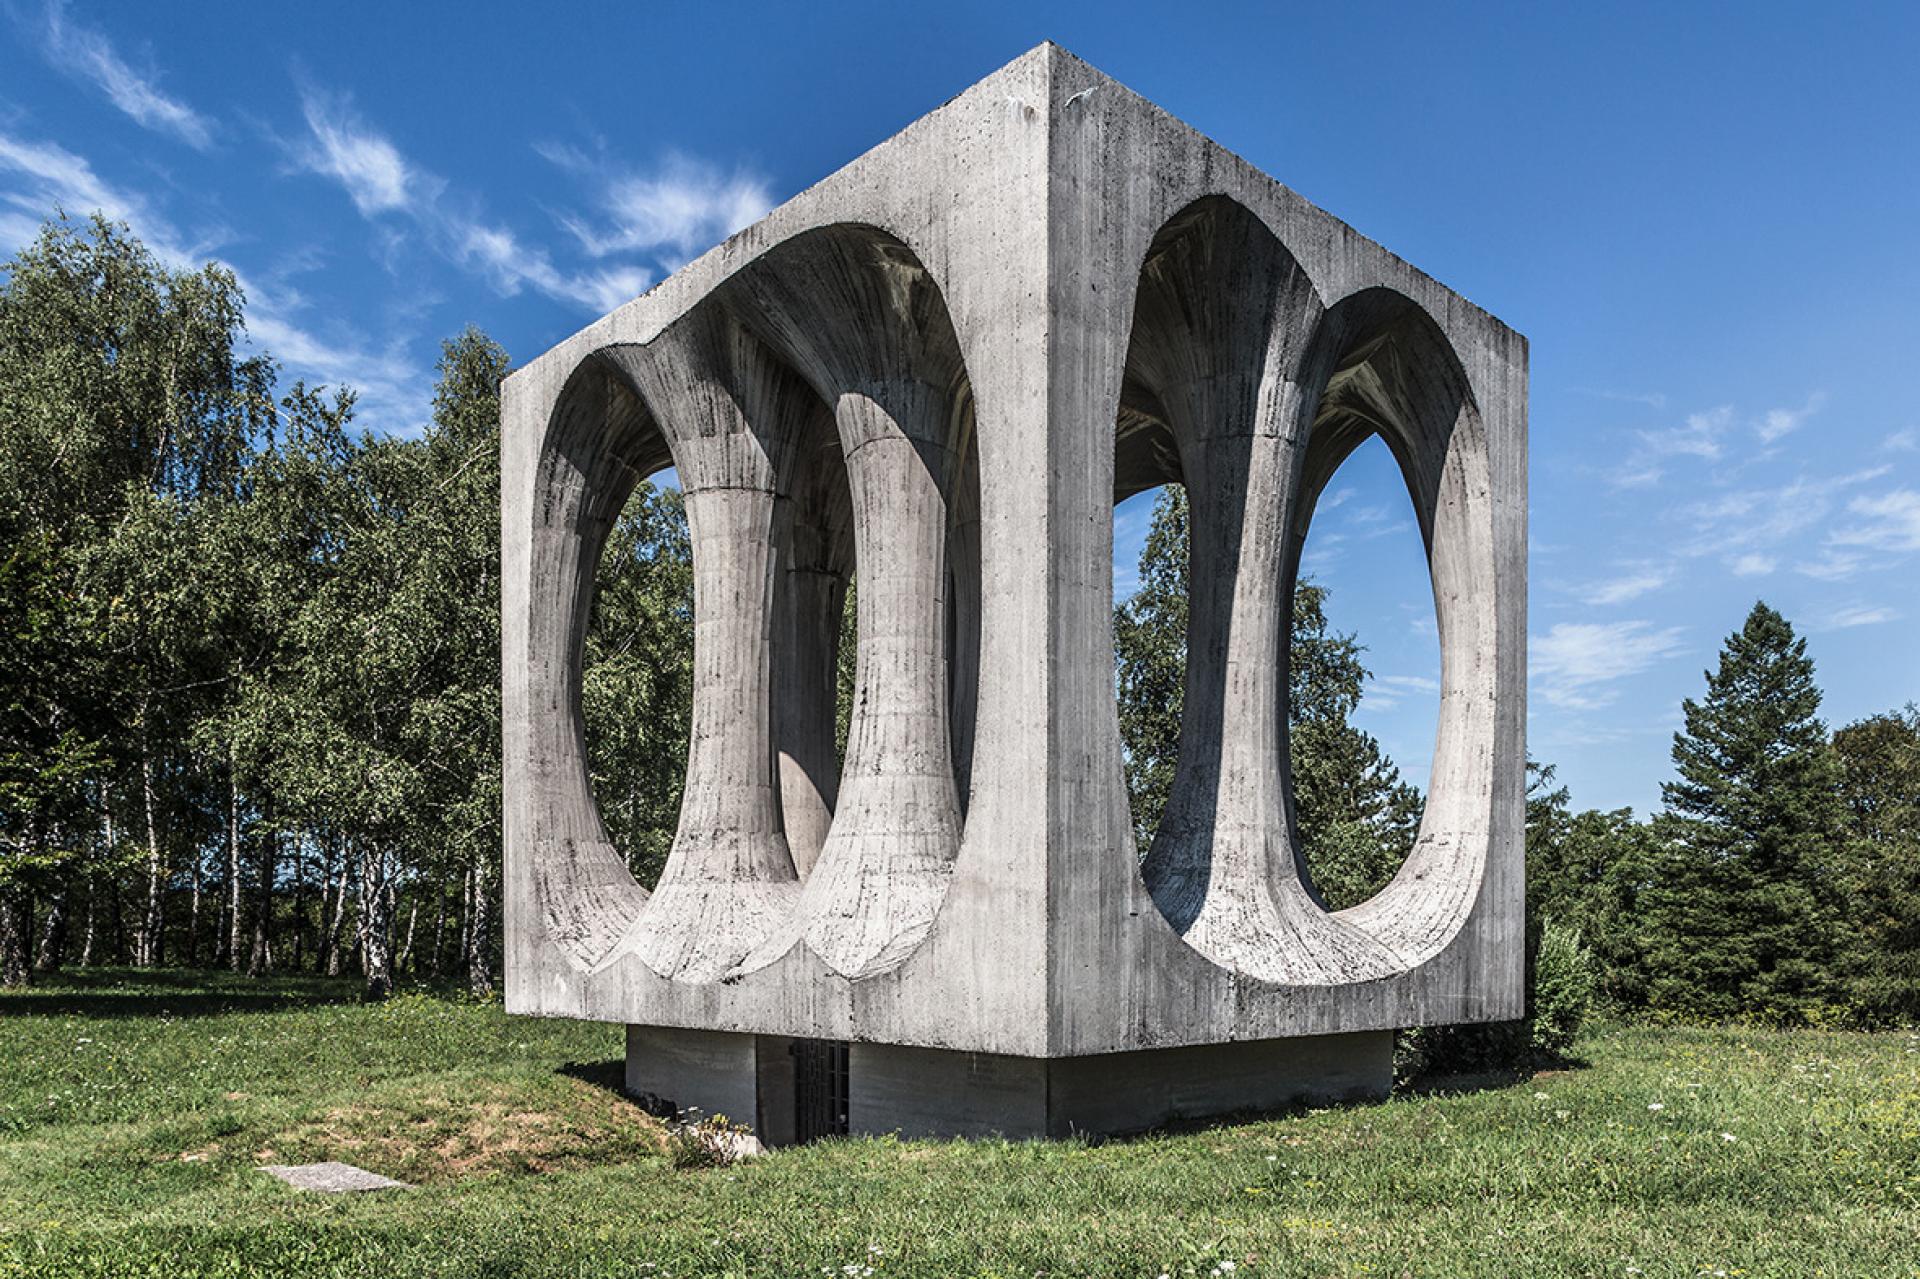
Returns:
point(932, 1092)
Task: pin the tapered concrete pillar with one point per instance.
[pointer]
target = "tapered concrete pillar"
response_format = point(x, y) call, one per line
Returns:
point(734, 420)
point(870, 334)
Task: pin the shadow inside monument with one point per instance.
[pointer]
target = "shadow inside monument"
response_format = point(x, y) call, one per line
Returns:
point(170, 992)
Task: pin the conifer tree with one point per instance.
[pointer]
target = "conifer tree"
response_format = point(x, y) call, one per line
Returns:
point(1742, 908)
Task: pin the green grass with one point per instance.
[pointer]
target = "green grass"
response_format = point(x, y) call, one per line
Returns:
point(134, 1108)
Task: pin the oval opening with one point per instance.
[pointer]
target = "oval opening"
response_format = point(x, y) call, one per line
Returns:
point(1365, 678)
point(636, 693)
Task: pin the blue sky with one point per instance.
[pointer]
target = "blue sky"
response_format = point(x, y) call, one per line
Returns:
point(1705, 218)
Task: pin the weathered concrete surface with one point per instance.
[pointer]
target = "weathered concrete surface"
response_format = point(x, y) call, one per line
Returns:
point(748, 1079)
point(937, 370)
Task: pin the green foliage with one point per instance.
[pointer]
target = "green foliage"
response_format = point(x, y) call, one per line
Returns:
point(1880, 865)
point(637, 691)
point(1560, 993)
point(1150, 664)
point(1742, 909)
point(1357, 818)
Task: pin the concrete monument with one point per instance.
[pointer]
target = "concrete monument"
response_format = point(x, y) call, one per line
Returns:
point(937, 370)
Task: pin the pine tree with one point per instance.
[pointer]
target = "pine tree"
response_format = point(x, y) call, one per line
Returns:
point(1742, 910)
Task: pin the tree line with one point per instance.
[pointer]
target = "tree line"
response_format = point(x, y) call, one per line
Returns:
point(251, 656)
point(250, 714)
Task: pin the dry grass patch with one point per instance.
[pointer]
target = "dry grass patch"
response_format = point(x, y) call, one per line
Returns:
point(449, 1130)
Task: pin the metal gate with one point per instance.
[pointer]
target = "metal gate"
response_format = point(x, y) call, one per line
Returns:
point(820, 1089)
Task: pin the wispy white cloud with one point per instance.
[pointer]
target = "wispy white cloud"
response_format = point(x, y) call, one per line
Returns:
point(510, 265)
point(1652, 399)
point(383, 183)
point(1386, 692)
point(1630, 585)
point(1703, 437)
point(1699, 436)
point(1753, 564)
point(341, 146)
point(1574, 662)
point(1761, 519)
point(1889, 522)
point(1637, 474)
point(681, 208)
point(1831, 566)
point(89, 55)
point(1778, 423)
point(46, 176)
point(1857, 615)
point(1904, 441)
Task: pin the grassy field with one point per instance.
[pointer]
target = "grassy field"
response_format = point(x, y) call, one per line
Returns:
point(134, 1110)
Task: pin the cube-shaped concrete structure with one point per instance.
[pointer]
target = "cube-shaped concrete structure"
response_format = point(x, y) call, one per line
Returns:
point(935, 372)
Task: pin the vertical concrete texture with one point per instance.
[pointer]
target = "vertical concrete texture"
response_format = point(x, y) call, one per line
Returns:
point(932, 375)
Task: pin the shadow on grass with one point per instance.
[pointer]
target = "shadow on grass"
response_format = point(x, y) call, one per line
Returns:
point(169, 992)
point(610, 1075)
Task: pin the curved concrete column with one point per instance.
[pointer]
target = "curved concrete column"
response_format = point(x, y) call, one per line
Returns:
point(866, 326)
point(816, 525)
point(1222, 319)
point(733, 419)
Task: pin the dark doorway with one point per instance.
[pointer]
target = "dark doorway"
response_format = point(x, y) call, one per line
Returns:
point(820, 1089)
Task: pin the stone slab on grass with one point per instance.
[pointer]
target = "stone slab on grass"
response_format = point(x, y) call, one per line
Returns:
point(331, 1178)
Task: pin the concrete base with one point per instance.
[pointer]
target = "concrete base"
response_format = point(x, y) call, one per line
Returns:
point(933, 1092)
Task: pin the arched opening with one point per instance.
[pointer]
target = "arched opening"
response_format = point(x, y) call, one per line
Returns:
point(1243, 395)
point(1390, 373)
point(1363, 681)
point(600, 444)
point(1217, 395)
point(637, 675)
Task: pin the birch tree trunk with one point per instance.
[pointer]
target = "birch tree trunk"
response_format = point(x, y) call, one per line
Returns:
point(15, 921)
point(233, 867)
point(52, 942)
point(88, 935)
point(479, 936)
point(148, 941)
point(337, 873)
point(405, 956)
point(262, 957)
point(376, 959)
point(439, 927)
point(193, 907)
